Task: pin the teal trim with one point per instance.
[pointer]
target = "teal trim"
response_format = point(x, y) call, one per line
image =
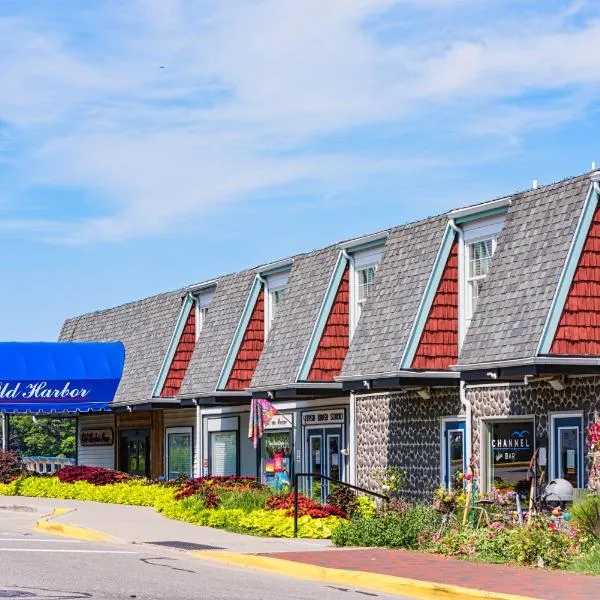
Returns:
point(566, 277)
point(186, 306)
point(276, 270)
point(315, 338)
point(428, 296)
point(239, 333)
point(372, 244)
point(492, 212)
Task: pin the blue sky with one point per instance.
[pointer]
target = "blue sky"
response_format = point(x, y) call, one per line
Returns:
point(149, 144)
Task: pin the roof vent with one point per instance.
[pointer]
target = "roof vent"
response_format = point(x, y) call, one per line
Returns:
point(593, 165)
point(534, 184)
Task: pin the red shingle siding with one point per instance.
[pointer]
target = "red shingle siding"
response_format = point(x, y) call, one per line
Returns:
point(250, 348)
point(181, 358)
point(335, 339)
point(438, 346)
point(578, 330)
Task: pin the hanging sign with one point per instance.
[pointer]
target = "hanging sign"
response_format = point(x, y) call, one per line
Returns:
point(323, 417)
point(281, 421)
point(96, 437)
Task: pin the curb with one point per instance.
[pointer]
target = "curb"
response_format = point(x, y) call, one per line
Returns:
point(424, 590)
point(45, 525)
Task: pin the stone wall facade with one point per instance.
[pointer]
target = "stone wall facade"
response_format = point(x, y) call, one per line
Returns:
point(537, 399)
point(403, 430)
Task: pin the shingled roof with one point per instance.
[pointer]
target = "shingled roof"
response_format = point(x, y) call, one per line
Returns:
point(216, 337)
point(518, 291)
point(295, 319)
point(145, 327)
point(387, 318)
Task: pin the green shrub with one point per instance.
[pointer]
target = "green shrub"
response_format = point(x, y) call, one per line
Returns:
point(588, 563)
point(10, 466)
point(586, 516)
point(407, 530)
point(365, 508)
point(247, 500)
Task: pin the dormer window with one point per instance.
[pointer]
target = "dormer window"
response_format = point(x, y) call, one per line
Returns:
point(274, 291)
point(202, 302)
point(479, 261)
point(365, 277)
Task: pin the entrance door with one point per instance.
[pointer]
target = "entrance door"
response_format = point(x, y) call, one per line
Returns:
point(454, 452)
point(567, 448)
point(324, 457)
point(134, 452)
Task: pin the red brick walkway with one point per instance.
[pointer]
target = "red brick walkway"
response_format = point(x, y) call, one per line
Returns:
point(534, 583)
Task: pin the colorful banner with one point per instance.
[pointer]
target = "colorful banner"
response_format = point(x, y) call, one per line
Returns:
point(261, 412)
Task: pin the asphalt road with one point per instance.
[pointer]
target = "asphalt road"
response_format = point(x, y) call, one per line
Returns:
point(39, 566)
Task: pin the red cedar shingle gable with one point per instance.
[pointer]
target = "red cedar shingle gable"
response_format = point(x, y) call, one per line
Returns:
point(578, 330)
point(181, 358)
point(335, 339)
point(438, 346)
point(250, 349)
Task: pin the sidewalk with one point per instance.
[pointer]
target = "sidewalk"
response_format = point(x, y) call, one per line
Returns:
point(534, 583)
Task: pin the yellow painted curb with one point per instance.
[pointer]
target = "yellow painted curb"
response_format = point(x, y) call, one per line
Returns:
point(45, 525)
point(388, 584)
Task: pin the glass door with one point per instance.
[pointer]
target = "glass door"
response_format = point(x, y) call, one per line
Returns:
point(567, 453)
point(324, 451)
point(455, 454)
point(135, 453)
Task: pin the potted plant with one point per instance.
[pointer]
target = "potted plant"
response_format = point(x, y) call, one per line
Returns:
point(444, 501)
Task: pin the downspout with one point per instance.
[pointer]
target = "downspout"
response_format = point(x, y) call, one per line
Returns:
point(4, 431)
point(468, 420)
point(461, 278)
point(352, 435)
point(198, 442)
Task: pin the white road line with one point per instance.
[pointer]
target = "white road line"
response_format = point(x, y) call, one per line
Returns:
point(61, 550)
point(2, 539)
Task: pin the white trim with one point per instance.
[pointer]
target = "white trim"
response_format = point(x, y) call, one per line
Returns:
point(366, 239)
point(443, 447)
point(484, 437)
point(187, 429)
point(360, 261)
point(281, 406)
point(274, 283)
point(551, 441)
point(352, 445)
point(477, 208)
point(536, 360)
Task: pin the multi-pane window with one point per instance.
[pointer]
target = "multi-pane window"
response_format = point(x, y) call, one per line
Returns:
point(479, 261)
point(366, 276)
point(275, 289)
point(203, 301)
point(276, 296)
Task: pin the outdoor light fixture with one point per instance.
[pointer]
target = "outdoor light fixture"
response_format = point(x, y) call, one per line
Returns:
point(424, 392)
point(366, 384)
point(557, 383)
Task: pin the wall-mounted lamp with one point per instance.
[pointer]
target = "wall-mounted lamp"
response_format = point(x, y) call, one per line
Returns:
point(270, 395)
point(557, 383)
point(424, 392)
point(367, 384)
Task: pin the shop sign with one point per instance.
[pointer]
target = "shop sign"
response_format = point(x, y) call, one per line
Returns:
point(281, 421)
point(96, 437)
point(512, 442)
point(323, 417)
point(93, 391)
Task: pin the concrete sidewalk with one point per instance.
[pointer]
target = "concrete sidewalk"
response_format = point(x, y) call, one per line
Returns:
point(138, 524)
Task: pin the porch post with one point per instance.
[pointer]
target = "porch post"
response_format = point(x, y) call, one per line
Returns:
point(5, 427)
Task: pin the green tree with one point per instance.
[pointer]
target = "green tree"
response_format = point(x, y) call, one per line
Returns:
point(43, 436)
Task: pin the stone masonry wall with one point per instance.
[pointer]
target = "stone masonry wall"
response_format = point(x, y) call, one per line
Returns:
point(403, 430)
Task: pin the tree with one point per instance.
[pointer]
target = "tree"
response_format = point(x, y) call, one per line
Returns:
point(43, 436)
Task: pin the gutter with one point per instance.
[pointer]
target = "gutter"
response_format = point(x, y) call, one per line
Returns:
point(400, 374)
point(538, 360)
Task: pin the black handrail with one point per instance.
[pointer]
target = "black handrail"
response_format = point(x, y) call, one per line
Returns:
point(337, 482)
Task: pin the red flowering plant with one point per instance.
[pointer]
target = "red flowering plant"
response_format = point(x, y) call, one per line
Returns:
point(593, 435)
point(94, 475)
point(191, 487)
point(306, 507)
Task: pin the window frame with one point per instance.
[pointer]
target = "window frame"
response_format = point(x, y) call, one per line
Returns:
point(202, 300)
point(274, 284)
point(189, 429)
point(553, 444)
point(236, 432)
point(361, 260)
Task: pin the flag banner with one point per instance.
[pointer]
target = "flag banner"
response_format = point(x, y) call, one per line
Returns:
point(261, 412)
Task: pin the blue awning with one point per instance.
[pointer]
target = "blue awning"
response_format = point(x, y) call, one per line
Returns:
point(59, 377)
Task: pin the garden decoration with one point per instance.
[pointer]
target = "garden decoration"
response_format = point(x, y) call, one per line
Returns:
point(532, 486)
point(261, 412)
point(593, 441)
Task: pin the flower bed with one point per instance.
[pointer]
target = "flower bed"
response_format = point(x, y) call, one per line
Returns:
point(238, 504)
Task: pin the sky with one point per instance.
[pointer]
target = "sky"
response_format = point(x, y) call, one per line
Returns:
point(149, 144)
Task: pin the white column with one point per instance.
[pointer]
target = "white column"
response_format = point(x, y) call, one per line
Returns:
point(198, 443)
point(352, 439)
point(4, 431)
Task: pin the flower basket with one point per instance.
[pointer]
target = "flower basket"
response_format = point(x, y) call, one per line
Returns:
point(444, 507)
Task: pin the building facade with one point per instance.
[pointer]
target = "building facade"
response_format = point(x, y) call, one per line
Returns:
point(467, 339)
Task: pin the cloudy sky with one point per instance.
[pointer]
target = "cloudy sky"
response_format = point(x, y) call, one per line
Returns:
point(148, 144)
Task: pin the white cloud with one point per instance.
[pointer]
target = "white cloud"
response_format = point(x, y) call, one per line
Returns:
point(251, 91)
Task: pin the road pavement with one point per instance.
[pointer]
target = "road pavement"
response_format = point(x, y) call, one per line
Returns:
point(39, 566)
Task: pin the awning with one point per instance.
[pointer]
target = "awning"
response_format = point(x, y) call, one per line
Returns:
point(59, 377)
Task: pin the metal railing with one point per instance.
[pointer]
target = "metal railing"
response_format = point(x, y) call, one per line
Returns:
point(337, 482)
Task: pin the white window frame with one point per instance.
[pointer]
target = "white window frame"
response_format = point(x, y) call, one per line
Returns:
point(274, 283)
point(471, 232)
point(202, 301)
point(187, 430)
point(443, 446)
point(359, 261)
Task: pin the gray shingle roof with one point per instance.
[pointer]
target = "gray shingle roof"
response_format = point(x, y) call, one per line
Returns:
point(295, 319)
point(389, 313)
point(518, 291)
point(145, 327)
point(215, 339)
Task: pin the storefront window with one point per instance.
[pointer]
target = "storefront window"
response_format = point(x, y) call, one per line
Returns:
point(511, 446)
point(179, 452)
point(276, 459)
point(223, 453)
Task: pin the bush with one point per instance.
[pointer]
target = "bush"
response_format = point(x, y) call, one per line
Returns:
point(408, 530)
point(586, 516)
point(93, 475)
point(10, 466)
point(344, 499)
point(190, 487)
point(306, 507)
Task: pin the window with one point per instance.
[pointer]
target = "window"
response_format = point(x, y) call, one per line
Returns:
point(57, 467)
point(275, 290)
point(223, 453)
point(179, 452)
point(363, 267)
point(203, 300)
point(480, 259)
point(566, 445)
